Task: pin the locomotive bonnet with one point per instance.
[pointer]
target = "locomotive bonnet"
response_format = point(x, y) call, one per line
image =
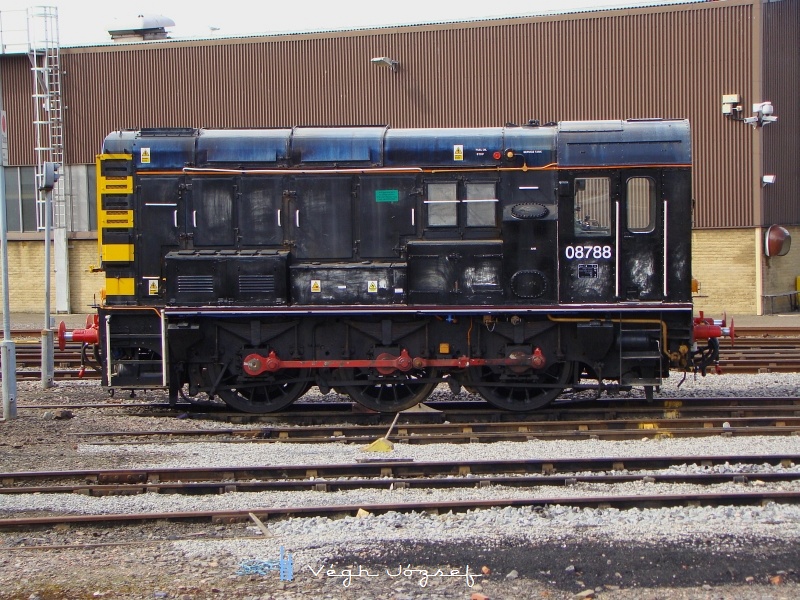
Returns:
point(518, 262)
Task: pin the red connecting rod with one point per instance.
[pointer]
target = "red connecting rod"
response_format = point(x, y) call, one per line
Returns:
point(256, 364)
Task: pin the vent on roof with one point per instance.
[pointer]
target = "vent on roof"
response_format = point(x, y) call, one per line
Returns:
point(142, 28)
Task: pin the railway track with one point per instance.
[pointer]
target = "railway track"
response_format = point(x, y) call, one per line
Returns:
point(598, 418)
point(461, 433)
point(397, 475)
point(755, 350)
point(656, 500)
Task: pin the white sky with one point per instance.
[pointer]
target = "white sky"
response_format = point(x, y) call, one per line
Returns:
point(86, 22)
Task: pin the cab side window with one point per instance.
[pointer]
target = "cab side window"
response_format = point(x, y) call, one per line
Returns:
point(641, 197)
point(442, 205)
point(592, 206)
point(480, 205)
point(472, 204)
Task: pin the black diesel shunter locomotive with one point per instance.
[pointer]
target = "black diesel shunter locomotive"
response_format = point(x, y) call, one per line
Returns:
point(251, 264)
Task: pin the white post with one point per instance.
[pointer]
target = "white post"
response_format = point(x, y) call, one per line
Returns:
point(49, 178)
point(8, 351)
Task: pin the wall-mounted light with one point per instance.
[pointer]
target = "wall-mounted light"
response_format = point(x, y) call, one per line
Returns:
point(767, 180)
point(386, 62)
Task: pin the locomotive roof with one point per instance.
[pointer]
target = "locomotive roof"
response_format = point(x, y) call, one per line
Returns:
point(566, 144)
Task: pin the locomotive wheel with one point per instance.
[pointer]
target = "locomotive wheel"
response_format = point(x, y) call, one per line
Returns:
point(390, 393)
point(527, 394)
point(258, 396)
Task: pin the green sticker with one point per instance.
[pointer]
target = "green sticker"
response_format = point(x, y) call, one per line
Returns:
point(387, 196)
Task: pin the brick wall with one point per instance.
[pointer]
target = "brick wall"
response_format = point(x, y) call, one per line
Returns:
point(723, 261)
point(26, 276)
point(84, 287)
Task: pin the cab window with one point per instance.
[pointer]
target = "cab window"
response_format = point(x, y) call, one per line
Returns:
point(442, 205)
point(480, 205)
point(641, 196)
point(473, 204)
point(592, 206)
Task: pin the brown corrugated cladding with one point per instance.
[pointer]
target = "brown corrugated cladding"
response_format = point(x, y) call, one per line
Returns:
point(17, 82)
point(781, 58)
point(673, 61)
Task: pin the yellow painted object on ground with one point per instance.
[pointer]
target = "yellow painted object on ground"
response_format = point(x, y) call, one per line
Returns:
point(382, 444)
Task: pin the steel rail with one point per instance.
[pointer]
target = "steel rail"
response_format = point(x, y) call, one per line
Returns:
point(396, 483)
point(414, 433)
point(332, 511)
point(400, 468)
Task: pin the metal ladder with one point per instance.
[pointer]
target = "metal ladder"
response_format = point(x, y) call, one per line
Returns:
point(43, 51)
point(44, 55)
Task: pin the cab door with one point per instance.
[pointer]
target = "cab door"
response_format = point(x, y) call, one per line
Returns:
point(642, 230)
point(161, 202)
point(209, 216)
point(588, 209)
point(320, 217)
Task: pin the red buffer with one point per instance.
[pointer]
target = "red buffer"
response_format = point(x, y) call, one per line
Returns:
point(89, 335)
point(706, 328)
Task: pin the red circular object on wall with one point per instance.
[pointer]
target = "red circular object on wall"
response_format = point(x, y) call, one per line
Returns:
point(778, 241)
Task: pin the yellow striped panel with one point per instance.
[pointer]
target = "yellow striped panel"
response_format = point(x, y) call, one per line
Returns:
point(117, 253)
point(115, 218)
point(111, 185)
point(115, 185)
point(120, 286)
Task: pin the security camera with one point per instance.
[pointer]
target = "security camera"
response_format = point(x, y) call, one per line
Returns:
point(764, 115)
point(763, 108)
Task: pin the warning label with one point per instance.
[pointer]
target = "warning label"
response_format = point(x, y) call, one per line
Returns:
point(316, 286)
point(152, 287)
point(145, 156)
point(372, 287)
point(458, 152)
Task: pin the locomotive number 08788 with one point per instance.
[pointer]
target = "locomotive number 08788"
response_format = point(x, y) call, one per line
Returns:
point(587, 251)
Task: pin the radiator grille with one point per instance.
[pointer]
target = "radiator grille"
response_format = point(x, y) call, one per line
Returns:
point(256, 284)
point(195, 284)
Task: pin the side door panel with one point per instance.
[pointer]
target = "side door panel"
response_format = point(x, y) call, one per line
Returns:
point(642, 237)
point(387, 211)
point(260, 213)
point(158, 226)
point(588, 210)
point(210, 218)
point(320, 217)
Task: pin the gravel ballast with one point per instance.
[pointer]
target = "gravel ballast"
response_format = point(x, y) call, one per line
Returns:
point(554, 551)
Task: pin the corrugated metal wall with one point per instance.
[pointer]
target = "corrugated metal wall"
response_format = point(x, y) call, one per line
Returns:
point(673, 61)
point(17, 82)
point(781, 58)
